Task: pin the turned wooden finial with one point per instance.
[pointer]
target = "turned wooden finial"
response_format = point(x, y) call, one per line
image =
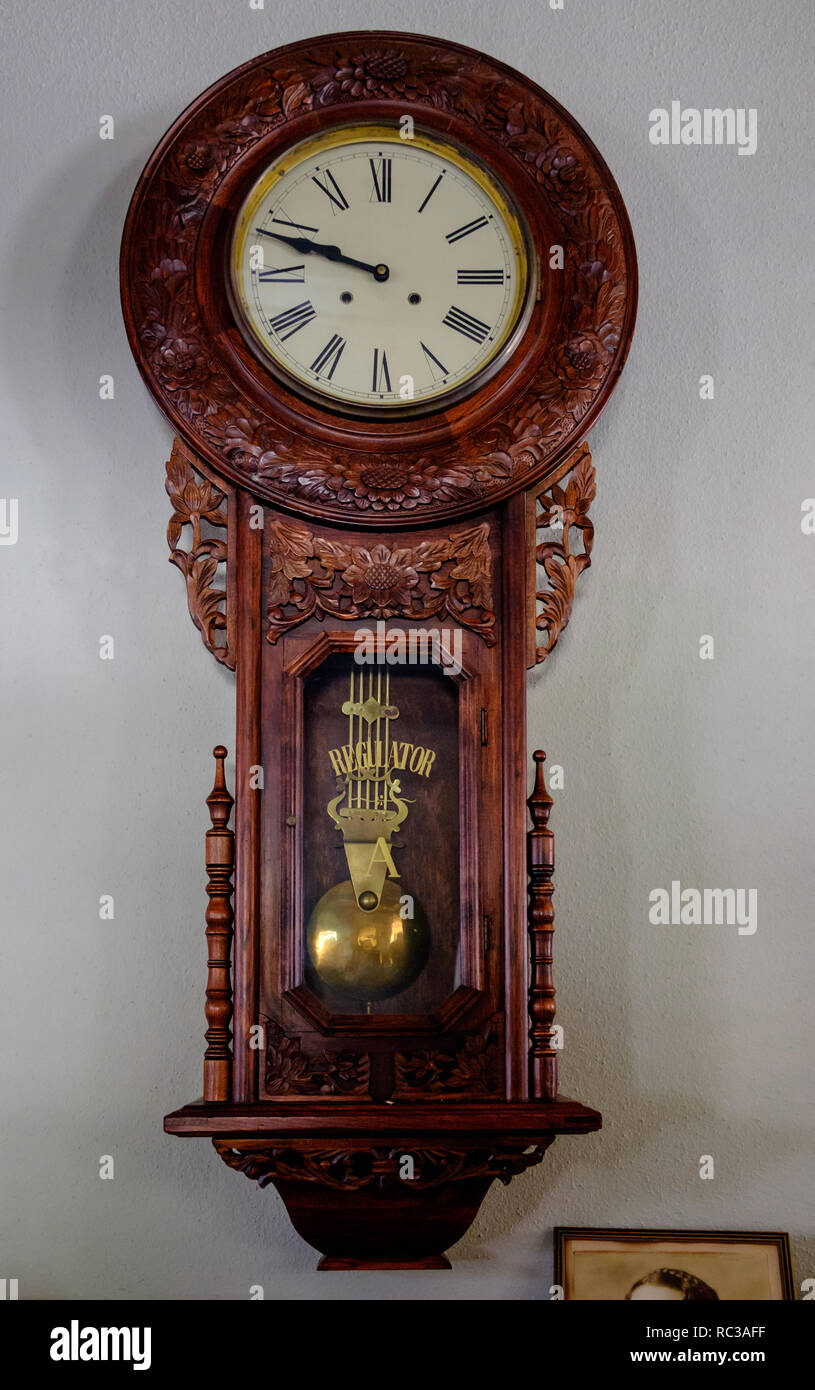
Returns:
point(219, 801)
point(220, 859)
point(540, 860)
point(540, 802)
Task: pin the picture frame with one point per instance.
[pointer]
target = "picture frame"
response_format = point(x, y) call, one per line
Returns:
point(602, 1265)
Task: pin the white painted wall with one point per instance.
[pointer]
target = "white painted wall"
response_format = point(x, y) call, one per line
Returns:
point(692, 1040)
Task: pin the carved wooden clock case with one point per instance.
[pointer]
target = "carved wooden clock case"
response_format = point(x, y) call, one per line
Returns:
point(381, 286)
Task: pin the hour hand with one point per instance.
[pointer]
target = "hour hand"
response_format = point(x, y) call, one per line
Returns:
point(331, 253)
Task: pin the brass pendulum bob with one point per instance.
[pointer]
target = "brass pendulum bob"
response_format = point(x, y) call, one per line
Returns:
point(364, 953)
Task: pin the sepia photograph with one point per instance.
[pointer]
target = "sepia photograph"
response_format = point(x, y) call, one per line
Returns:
point(673, 1266)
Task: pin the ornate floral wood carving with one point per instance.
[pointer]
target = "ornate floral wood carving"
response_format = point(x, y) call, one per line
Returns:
point(564, 510)
point(197, 501)
point(470, 1069)
point(227, 413)
point(380, 1166)
point(311, 575)
point(290, 1071)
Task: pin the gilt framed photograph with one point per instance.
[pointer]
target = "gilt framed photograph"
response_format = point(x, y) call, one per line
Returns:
point(633, 1266)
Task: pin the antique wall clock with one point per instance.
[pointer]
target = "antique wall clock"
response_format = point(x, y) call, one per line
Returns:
point(381, 286)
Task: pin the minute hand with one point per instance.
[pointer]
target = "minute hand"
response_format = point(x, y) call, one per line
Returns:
point(331, 253)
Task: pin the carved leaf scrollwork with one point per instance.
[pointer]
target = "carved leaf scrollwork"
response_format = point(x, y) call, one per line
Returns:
point(349, 1169)
point(290, 1071)
point(564, 510)
point(197, 501)
point(471, 1069)
point(310, 574)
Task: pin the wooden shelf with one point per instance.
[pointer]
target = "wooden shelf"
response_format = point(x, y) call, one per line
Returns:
point(509, 1120)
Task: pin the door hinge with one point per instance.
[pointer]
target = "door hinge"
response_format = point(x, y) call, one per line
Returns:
point(486, 930)
point(483, 728)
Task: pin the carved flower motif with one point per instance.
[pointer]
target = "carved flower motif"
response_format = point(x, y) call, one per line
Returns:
point(471, 1068)
point(387, 483)
point(579, 366)
point(393, 483)
point(570, 507)
point(284, 1071)
point(198, 157)
point(288, 1070)
point(168, 275)
point(344, 1072)
point(197, 500)
point(368, 483)
point(376, 74)
point(381, 579)
point(388, 474)
point(558, 168)
point(182, 362)
point(185, 370)
point(193, 502)
point(561, 173)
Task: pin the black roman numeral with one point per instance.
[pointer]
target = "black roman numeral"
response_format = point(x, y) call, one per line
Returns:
point(284, 221)
point(334, 193)
point(480, 277)
point(283, 275)
point(467, 229)
point(331, 353)
point(431, 357)
point(292, 320)
point(381, 171)
point(423, 205)
point(382, 380)
point(467, 324)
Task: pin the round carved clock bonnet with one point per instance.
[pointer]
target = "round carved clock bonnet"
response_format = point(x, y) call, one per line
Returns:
point(294, 450)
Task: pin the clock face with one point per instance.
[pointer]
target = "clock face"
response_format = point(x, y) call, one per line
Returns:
point(380, 273)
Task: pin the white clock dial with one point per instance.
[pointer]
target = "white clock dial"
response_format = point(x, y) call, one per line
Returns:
point(379, 272)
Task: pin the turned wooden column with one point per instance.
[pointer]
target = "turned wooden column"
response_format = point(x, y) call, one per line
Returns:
point(540, 858)
point(220, 858)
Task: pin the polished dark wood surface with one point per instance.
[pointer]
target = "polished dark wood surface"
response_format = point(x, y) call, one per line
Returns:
point(461, 1079)
point(381, 1205)
point(293, 524)
point(540, 858)
point(513, 1120)
point(220, 856)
